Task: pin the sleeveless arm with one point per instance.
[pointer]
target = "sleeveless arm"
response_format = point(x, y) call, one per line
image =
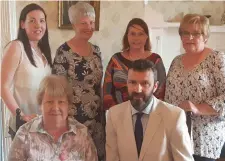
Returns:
point(10, 63)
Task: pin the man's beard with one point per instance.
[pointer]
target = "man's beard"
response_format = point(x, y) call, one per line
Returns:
point(142, 102)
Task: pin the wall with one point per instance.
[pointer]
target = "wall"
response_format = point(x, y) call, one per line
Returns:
point(174, 8)
point(114, 16)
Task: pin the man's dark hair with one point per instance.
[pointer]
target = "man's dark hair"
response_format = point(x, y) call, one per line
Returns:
point(142, 65)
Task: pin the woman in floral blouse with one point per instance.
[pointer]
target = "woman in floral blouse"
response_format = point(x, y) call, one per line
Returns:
point(80, 62)
point(136, 45)
point(196, 83)
point(53, 136)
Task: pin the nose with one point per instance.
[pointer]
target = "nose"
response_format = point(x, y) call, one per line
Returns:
point(37, 24)
point(138, 88)
point(191, 36)
point(55, 105)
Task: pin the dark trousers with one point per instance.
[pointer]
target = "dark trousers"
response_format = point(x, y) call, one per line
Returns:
point(199, 158)
point(222, 155)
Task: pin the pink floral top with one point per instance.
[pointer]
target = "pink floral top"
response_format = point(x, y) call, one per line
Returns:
point(33, 143)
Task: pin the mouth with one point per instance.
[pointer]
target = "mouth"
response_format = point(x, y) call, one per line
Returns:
point(37, 32)
point(190, 43)
point(138, 96)
point(136, 43)
point(55, 113)
point(88, 32)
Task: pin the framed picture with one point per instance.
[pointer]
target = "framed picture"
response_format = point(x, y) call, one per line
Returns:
point(63, 18)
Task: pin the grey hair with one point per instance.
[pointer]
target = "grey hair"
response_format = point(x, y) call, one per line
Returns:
point(80, 9)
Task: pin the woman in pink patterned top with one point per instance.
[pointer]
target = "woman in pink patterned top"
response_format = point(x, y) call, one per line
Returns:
point(53, 136)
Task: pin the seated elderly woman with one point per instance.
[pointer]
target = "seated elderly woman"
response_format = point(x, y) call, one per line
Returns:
point(53, 136)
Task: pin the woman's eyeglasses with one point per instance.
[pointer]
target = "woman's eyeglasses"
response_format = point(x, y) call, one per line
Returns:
point(186, 34)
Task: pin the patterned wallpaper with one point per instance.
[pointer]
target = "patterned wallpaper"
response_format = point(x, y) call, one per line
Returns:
point(114, 16)
point(213, 8)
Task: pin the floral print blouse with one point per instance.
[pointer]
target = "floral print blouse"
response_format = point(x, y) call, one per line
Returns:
point(33, 143)
point(204, 84)
point(85, 75)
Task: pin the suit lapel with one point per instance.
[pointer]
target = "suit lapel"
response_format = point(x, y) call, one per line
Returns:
point(152, 126)
point(129, 131)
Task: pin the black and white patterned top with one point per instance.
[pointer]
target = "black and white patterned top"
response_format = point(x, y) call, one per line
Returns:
point(204, 84)
point(85, 75)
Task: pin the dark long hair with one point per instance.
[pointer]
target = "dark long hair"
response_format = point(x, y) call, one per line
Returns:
point(140, 22)
point(43, 44)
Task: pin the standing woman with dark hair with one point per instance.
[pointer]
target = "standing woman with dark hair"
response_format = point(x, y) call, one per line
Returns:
point(26, 61)
point(136, 45)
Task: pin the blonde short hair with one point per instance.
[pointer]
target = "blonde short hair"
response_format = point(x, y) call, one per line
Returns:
point(195, 19)
point(55, 86)
point(80, 9)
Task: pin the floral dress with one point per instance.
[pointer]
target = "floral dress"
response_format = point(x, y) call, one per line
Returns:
point(204, 84)
point(85, 76)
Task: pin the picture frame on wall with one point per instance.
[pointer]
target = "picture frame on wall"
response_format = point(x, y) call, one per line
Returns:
point(63, 17)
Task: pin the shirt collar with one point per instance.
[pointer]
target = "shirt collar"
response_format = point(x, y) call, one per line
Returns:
point(146, 111)
point(37, 125)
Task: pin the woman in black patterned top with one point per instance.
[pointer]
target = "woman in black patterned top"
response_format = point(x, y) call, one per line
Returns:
point(80, 61)
point(196, 83)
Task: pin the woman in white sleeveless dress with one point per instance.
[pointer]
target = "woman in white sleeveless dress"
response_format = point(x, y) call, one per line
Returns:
point(26, 61)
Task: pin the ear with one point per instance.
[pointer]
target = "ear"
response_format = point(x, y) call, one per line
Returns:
point(22, 24)
point(155, 86)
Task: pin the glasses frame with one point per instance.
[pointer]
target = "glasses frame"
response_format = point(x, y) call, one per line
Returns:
point(186, 34)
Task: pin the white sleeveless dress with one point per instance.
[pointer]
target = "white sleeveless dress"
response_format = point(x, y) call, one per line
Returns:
point(26, 83)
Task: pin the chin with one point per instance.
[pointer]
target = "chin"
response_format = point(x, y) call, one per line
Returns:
point(136, 47)
point(36, 39)
point(139, 106)
point(86, 37)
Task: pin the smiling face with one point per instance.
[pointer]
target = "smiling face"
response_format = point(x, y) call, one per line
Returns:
point(34, 25)
point(193, 39)
point(84, 27)
point(141, 86)
point(54, 109)
point(136, 37)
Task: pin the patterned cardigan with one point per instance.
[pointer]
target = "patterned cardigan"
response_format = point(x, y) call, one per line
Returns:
point(115, 81)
